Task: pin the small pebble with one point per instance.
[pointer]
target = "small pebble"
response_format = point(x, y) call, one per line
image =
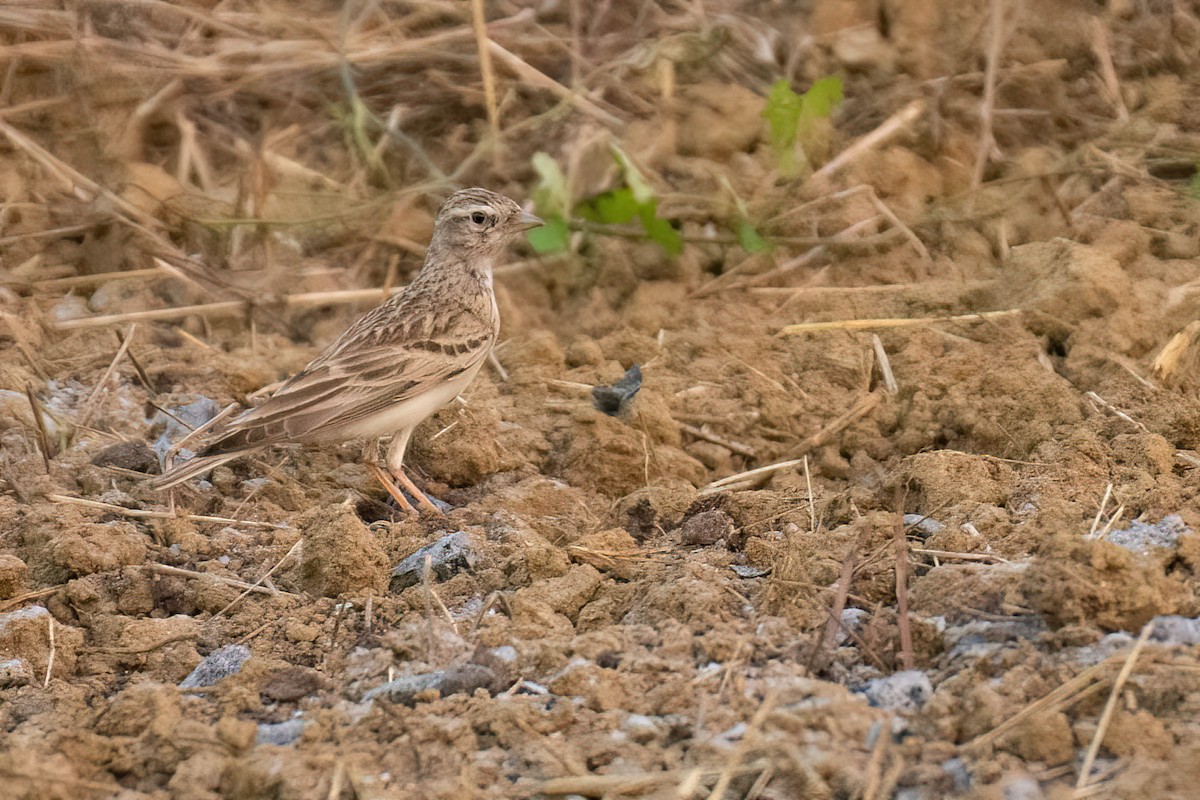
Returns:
point(291, 684)
point(706, 528)
point(13, 672)
point(920, 523)
point(70, 307)
point(135, 456)
point(640, 728)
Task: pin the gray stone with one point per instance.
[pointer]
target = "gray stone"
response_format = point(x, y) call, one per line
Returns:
point(902, 691)
point(176, 426)
point(461, 679)
point(922, 524)
point(217, 665)
point(280, 733)
point(1176, 630)
point(1022, 787)
point(447, 556)
point(1142, 537)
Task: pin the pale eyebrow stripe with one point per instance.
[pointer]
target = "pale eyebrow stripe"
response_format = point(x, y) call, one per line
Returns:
point(463, 212)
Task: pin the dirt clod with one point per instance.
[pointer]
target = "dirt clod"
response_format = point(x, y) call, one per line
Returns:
point(339, 555)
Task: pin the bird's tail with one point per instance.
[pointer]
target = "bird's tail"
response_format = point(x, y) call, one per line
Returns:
point(191, 469)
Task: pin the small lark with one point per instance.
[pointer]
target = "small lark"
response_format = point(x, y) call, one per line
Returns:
point(399, 363)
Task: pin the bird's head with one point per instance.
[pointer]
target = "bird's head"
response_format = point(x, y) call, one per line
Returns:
point(478, 223)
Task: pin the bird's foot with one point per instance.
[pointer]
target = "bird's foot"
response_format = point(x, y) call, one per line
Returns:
point(392, 489)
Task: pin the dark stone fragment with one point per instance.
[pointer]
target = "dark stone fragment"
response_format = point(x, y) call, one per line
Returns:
point(135, 456)
point(614, 400)
point(447, 556)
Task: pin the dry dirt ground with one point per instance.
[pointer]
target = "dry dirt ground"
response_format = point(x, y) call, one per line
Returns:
point(969, 571)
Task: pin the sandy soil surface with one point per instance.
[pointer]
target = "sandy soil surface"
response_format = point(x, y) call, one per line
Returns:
point(969, 569)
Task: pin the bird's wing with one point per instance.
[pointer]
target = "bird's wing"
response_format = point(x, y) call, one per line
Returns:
point(347, 385)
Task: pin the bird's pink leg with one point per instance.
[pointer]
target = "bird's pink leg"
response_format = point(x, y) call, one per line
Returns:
point(390, 487)
point(395, 465)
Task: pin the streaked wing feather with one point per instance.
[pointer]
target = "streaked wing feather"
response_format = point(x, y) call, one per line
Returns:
point(336, 392)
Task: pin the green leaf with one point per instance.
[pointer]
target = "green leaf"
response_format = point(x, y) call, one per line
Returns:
point(550, 197)
point(790, 115)
point(553, 237)
point(750, 239)
point(782, 113)
point(662, 232)
point(616, 207)
point(1193, 189)
point(634, 179)
point(823, 97)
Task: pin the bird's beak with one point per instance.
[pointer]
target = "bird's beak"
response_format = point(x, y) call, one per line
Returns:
point(526, 221)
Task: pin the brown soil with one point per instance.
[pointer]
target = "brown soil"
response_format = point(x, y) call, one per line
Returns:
point(608, 626)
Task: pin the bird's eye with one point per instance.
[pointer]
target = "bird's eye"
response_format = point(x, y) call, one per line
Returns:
point(479, 218)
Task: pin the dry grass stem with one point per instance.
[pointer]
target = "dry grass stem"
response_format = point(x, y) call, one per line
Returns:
point(139, 513)
point(1188, 458)
point(40, 427)
point(864, 406)
point(748, 741)
point(840, 292)
point(828, 640)
point(1116, 412)
point(291, 551)
point(749, 478)
point(224, 309)
point(987, 140)
point(900, 542)
point(890, 128)
point(891, 217)
point(812, 505)
point(541, 80)
point(1100, 511)
point(1082, 685)
point(1085, 771)
point(142, 377)
point(986, 558)
point(431, 596)
point(1108, 72)
point(755, 477)
point(53, 650)
point(900, 322)
point(635, 783)
point(885, 365)
point(728, 444)
point(89, 407)
point(84, 281)
point(883, 739)
point(479, 26)
point(166, 569)
point(804, 259)
point(13, 602)
point(1112, 522)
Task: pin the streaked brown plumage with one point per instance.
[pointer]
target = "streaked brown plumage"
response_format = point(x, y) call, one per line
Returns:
point(398, 363)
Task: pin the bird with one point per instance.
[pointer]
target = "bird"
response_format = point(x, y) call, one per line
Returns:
point(398, 363)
